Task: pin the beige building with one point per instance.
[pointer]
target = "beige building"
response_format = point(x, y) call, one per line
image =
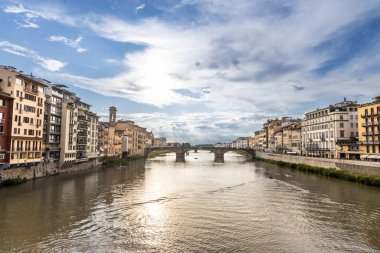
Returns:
point(115, 135)
point(259, 140)
point(69, 129)
point(28, 114)
point(272, 127)
point(292, 138)
point(159, 142)
point(322, 128)
point(109, 139)
point(87, 133)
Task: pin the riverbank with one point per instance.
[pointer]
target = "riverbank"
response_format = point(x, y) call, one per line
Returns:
point(19, 175)
point(365, 179)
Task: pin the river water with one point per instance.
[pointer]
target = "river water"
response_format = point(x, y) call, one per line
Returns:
point(199, 206)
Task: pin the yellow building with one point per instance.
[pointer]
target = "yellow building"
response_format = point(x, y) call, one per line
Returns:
point(292, 138)
point(369, 129)
point(28, 114)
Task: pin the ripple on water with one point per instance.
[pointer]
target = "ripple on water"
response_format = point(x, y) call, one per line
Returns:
point(202, 207)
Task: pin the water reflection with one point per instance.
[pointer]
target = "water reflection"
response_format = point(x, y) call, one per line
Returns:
point(161, 205)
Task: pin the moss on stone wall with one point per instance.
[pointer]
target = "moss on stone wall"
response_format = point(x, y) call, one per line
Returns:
point(14, 181)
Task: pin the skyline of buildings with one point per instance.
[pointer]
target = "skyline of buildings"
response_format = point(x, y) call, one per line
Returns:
point(44, 122)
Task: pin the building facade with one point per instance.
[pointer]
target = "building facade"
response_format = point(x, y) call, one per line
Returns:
point(28, 96)
point(322, 128)
point(369, 129)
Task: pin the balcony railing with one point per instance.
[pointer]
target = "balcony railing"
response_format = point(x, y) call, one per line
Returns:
point(369, 142)
point(317, 149)
point(34, 91)
point(370, 123)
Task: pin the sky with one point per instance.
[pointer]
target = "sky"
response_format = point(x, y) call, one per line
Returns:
point(198, 71)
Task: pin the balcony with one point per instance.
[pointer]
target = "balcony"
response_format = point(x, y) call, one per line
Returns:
point(82, 118)
point(370, 142)
point(367, 133)
point(317, 149)
point(33, 91)
point(375, 123)
point(56, 112)
point(82, 126)
point(82, 133)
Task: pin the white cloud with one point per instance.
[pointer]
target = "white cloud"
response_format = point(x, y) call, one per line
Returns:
point(68, 42)
point(248, 56)
point(31, 15)
point(111, 61)
point(140, 7)
point(47, 63)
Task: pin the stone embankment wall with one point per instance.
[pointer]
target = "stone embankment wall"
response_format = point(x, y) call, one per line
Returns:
point(359, 167)
point(45, 170)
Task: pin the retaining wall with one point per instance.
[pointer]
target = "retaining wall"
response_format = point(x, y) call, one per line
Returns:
point(360, 167)
point(45, 170)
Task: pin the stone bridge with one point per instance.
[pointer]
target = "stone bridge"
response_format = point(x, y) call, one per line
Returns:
point(218, 152)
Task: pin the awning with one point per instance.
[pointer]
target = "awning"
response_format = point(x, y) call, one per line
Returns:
point(363, 156)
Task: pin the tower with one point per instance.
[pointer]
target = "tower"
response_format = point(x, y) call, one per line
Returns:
point(112, 117)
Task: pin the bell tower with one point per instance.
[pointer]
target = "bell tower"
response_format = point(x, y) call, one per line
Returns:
point(112, 117)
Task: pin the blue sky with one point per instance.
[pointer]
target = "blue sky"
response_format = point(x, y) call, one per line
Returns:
point(198, 70)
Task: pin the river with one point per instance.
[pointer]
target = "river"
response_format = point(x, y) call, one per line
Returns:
point(198, 206)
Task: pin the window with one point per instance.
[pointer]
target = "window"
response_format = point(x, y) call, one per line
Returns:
point(9, 81)
point(2, 102)
point(342, 133)
point(18, 81)
point(340, 116)
point(341, 125)
point(30, 97)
